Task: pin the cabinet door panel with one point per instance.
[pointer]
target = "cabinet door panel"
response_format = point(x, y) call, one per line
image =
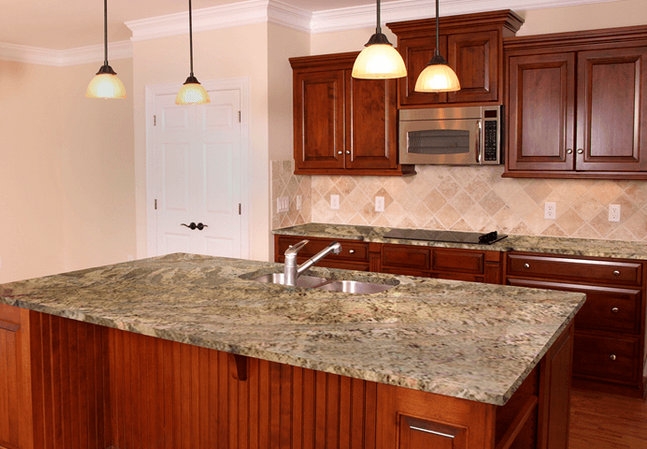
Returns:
point(475, 57)
point(319, 119)
point(540, 113)
point(611, 109)
point(372, 129)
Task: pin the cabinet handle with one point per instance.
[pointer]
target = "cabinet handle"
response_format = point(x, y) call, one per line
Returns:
point(616, 273)
point(615, 310)
point(526, 265)
point(569, 151)
point(351, 251)
point(580, 151)
point(613, 357)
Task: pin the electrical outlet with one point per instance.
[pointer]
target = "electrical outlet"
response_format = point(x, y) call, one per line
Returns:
point(379, 204)
point(299, 202)
point(550, 210)
point(282, 204)
point(334, 202)
point(614, 212)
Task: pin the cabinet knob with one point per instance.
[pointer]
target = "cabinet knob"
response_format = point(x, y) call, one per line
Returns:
point(569, 151)
point(526, 265)
point(615, 310)
point(616, 273)
point(351, 251)
point(340, 152)
point(613, 357)
point(580, 151)
point(347, 151)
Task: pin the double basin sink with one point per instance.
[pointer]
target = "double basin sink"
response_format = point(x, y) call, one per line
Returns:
point(332, 285)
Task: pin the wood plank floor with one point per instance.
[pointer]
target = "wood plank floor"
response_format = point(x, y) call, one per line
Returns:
point(605, 421)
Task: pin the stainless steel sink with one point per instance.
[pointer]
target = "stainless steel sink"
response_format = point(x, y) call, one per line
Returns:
point(302, 281)
point(331, 285)
point(357, 287)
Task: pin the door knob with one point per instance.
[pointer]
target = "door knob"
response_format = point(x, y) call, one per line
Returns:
point(194, 226)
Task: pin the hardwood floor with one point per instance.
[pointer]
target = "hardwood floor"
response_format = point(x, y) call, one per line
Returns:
point(605, 421)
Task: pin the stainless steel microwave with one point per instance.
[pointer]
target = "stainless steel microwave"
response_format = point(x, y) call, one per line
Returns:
point(453, 136)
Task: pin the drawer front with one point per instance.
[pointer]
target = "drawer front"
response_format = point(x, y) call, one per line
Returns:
point(405, 257)
point(606, 308)
point(582, 270)
point(350, 250)
point(458, 261)
point(613, 359)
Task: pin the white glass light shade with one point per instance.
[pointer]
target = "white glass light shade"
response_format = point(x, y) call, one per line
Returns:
point(437, 78)
point(379, 61)
point(106, 85)
point(192, 92)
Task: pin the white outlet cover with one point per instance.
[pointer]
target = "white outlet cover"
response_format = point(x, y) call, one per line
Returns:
point(379, 204)
point(550, 210)
point(614, 213)
point(334, 202)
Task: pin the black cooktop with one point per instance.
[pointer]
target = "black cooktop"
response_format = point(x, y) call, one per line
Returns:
point(446, 236)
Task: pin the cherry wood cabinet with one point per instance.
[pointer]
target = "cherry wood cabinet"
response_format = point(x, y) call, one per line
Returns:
point(609, 346)
point(343, 125)
point(410, 260)
point(472, 45)
point(96, 387)
point(576, 105)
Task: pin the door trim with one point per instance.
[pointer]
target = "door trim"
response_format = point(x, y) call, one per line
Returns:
point(151, 91)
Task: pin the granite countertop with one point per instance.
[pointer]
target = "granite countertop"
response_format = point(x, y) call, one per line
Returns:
point(548, 245)
point(465, 340)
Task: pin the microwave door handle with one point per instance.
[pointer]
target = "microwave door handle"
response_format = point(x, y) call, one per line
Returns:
point(478, 142)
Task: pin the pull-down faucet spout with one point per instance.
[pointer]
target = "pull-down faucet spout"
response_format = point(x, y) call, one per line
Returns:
point(291, 270)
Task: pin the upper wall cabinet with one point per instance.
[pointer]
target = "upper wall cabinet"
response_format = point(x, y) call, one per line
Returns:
point(343, 125)
point(473, 47)
point(576, 105)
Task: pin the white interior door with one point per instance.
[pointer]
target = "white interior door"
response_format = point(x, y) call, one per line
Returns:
point(196, 171)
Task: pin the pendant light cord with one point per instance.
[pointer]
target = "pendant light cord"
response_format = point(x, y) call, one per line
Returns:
point(437, 52)
point(105, 32)
point(191, 38)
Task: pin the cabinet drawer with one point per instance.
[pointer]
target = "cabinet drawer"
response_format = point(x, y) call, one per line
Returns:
point(614, 359)
point(458, 261)
point(579, 270)
point(401, 258)
point(606, 308)
point(351, 250)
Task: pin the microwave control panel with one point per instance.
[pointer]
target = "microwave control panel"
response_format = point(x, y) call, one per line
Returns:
point(491, 143)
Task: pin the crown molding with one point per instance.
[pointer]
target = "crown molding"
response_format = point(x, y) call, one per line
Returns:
point(63, 58)
point(272, 11)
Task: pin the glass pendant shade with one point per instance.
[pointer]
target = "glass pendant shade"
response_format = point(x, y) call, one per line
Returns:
point(378, 59)
point(192, 92)
point(437, 77)
point(106, 84)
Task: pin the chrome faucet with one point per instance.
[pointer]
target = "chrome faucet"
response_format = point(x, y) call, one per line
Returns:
point(291, 270)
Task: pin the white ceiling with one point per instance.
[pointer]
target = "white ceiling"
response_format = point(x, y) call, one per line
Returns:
point(67, 24)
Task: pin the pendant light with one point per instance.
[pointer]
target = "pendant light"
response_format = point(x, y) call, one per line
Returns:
point(106, 83)
point(191, 91)
point(378, 59)
point(437, 76)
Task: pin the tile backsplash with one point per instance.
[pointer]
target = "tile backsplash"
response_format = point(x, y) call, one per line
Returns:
point(464, 199)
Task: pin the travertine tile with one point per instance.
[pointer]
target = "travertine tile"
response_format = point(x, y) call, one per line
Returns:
point(465, 198)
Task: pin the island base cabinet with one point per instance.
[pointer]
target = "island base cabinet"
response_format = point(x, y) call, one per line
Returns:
point(75, 385)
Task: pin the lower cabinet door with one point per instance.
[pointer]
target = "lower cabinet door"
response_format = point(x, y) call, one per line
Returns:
point(607, 358)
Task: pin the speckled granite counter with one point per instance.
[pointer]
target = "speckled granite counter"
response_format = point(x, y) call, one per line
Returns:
point(549, 245)
point(466, 340)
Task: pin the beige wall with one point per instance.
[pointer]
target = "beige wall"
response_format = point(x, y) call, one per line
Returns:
point(66, 176)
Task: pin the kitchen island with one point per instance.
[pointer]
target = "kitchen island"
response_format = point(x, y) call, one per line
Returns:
point(190, 351)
